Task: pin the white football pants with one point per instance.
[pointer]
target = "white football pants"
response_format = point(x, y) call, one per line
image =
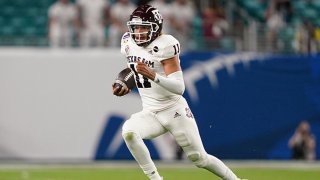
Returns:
point(179, 121)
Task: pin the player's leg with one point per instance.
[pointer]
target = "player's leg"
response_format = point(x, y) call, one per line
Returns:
point(99, 36)
point(113, 36)
point(68, 38)
point(184, 128)
point(55, 37)
point(84, 40)
point(141, 126)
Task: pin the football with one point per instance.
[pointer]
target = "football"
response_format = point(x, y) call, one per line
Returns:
point(125, 78)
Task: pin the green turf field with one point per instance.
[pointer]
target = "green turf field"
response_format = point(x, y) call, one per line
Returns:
point(131, 173)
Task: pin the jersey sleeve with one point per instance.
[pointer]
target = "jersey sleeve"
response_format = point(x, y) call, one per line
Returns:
point(168, 48)
point(124, 42)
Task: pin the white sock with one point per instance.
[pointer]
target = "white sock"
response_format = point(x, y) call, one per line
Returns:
point(219, 168)
point(151, 171)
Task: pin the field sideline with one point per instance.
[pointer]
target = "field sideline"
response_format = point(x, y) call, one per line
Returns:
point(128, 170)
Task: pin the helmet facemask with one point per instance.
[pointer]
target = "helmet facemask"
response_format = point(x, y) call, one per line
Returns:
point(142, 38)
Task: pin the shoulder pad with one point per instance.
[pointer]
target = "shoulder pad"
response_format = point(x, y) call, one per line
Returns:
point(165, 47)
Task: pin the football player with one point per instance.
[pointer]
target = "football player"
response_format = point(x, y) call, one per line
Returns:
point(154, 59)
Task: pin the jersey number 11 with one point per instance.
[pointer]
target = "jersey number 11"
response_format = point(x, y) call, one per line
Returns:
point(146, 83)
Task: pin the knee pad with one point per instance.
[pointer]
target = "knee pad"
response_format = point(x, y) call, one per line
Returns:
point(182, 139)
point(198, 159)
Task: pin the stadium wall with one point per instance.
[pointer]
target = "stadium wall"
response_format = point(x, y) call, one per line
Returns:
point(58, 105)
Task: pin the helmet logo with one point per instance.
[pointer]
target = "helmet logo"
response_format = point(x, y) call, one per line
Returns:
point(157, 15)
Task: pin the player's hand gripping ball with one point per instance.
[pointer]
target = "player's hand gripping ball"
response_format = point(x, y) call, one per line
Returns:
point(124, 83)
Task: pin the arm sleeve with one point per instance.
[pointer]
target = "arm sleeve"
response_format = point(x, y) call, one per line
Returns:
point(173, 82)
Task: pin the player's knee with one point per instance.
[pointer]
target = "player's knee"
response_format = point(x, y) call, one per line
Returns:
point(198, 159)
point(128, 136)
point(127, 133)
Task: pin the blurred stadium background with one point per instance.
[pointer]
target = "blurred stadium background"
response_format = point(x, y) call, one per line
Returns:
point(25, 23)
point(249, 80)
